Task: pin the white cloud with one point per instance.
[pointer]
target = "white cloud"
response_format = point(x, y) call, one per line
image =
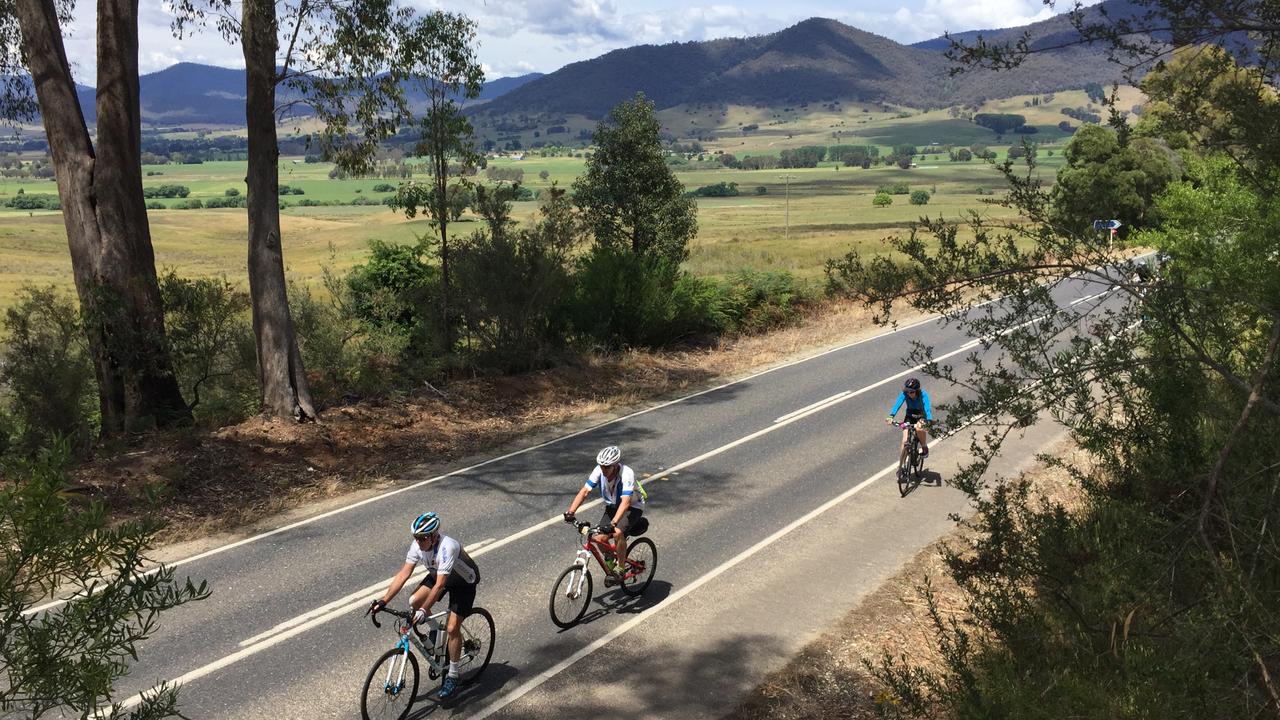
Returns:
point(519, 36)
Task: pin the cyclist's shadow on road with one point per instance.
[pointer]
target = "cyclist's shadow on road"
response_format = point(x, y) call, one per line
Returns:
point(928, 478)
point(617, 602)
point(426, 704)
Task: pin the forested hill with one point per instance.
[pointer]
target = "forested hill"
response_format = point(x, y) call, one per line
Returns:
point(205, 94)
point(815, 60)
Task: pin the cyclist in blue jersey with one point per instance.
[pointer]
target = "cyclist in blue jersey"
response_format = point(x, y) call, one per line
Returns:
point(623, 502)
point(449, 570)
point(919, 411)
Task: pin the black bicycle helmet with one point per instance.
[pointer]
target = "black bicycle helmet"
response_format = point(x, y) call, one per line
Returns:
point(911, 384)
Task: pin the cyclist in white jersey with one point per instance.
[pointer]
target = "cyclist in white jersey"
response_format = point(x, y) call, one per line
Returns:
point(623, 501)
point(449, 570)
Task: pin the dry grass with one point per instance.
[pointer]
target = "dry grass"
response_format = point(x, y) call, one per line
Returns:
point(224, 480)
point(827, 679)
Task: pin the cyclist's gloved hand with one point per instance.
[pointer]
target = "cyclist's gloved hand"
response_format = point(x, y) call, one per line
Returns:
point(888, 420)
point(378, 606)
point(570, 518)
point(606, 529)
point(419, 615)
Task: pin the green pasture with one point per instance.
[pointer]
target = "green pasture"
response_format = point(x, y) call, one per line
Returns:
point(830, 206)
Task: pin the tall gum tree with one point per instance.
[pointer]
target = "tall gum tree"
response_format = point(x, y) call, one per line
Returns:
point(339, 59)
point(100, 189)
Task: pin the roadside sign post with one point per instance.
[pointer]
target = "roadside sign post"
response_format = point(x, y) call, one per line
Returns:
point(787, 224)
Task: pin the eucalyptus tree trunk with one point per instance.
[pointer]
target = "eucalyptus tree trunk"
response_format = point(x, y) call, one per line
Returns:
point(105, 215)
point(281, 375)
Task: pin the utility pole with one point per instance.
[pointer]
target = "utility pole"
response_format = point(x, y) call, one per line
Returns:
point(787, 180)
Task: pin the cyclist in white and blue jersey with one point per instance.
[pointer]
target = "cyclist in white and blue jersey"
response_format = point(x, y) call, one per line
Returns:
point(919, 412)
point(450, 570)
point(623, 501)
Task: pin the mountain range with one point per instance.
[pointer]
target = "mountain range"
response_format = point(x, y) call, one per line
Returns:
point(816, 60)
point(191, 93)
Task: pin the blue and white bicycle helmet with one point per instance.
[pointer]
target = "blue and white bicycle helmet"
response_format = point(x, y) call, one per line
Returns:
point(426, 524)
point(609, 455)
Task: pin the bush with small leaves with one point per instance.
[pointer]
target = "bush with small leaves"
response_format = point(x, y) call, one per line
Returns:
point(882, 200)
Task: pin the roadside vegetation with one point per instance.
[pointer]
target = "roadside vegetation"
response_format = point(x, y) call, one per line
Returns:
point(1153, 594)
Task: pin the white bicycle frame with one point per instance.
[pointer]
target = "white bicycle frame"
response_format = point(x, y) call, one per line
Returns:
point(582, 560)
point(438, 650)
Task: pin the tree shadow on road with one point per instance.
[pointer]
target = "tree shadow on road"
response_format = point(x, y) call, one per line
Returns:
point(495, 677)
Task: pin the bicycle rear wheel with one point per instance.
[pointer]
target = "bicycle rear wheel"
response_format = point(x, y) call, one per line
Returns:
point(478, 637)
point(570, 596)
point(387, 695)
point(642, 560)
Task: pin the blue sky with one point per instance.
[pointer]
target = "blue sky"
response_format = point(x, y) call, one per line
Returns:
point(519, 36)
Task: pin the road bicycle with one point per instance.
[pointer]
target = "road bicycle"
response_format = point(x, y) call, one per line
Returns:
point(911, 468)
point(572, 591)
point(392, 683)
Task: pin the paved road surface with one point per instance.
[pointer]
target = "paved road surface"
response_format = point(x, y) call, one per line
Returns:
point(772, 524)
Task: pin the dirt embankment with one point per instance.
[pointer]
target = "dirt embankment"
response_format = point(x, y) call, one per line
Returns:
point(222, 480)
point(828, 678)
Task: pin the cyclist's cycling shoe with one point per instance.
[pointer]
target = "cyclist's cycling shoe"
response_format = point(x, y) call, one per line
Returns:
point(924, 453)
point(612, 579)
point(448, 687)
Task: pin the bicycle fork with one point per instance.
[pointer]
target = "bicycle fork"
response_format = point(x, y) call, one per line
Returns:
point(387, 686)
point(575, 587)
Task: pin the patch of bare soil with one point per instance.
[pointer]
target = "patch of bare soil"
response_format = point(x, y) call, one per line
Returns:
point(827, 680)
point(225, 479)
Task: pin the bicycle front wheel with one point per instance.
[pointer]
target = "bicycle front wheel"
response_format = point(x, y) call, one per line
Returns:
point(477, 644)
point(391, 686)
point(642, 560)
point(570, 596)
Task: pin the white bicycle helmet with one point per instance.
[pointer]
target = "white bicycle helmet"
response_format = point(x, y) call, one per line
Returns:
point(426, 524)
point(609, 455)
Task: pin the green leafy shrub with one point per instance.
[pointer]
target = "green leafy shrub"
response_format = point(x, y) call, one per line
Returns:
point(755, 301)
point(47, 372)
point(211, 345)
point(920, 197)
point(720, 189)
point(34, 201)
point(166, 191)
point(54, 546)
point(882, 200)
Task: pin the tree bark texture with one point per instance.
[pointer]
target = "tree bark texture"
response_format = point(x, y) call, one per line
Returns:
point(104, 213)
point(281, 375)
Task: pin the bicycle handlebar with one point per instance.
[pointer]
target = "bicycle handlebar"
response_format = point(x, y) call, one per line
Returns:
point(373, 616)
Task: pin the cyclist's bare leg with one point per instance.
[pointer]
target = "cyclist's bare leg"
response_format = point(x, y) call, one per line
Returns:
point(902, 456)
point(420, 596)
point(620, 542)
point(454, 629)
point(924, 440)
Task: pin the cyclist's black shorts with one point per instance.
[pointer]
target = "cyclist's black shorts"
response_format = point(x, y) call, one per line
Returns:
point(462, 595)
point(633, 514)
point(913, 416)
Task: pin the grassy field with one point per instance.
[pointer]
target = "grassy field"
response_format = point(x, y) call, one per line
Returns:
point(830, 207)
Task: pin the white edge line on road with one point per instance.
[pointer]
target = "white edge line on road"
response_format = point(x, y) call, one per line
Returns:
point(314, 618)
point(306, 521)
point(537, 680)
point(824, 401)
point(559, 667)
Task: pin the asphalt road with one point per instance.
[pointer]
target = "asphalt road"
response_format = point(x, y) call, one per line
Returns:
point(769, 523)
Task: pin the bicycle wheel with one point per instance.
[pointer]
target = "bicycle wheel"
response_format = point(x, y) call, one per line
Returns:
point(478, 637)
point(570, 596)
point(904, 479)
point(642, 560)
point(387, 694)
